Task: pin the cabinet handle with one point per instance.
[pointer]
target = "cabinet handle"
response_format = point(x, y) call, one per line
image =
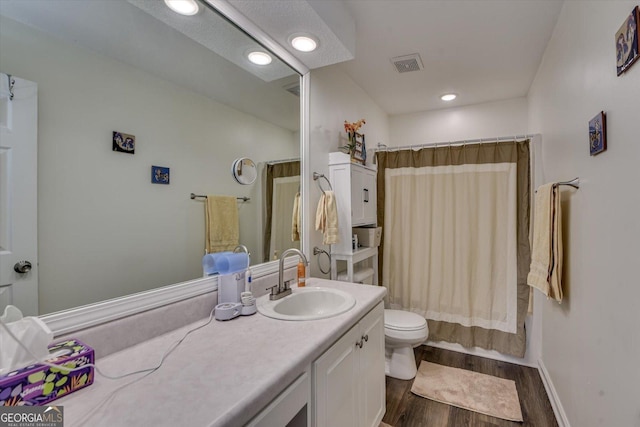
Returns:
point(366, 338)
point(359, 344)
point(366, 195)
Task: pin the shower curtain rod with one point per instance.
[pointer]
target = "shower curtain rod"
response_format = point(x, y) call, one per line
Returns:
point(274, 162)
point(459, 142)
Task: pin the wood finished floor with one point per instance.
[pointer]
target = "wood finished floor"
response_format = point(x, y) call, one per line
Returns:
point(404, 409)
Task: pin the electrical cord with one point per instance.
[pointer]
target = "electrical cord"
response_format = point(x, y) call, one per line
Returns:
point(111, 377)
point(111, 395)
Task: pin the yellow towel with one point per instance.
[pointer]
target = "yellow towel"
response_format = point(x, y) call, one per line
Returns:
point(327, 218)
point(295, 219)
point(545, 272)
point(222, 226)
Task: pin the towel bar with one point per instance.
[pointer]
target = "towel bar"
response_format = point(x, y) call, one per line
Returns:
point(317, 176)
point(244, 199)
point(575, 183)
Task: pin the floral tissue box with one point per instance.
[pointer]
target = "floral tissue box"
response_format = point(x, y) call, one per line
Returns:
point(39, 384)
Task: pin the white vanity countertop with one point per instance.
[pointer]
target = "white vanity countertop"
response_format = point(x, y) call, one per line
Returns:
point(221, 375)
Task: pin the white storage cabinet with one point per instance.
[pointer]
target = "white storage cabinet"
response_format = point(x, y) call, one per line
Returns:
point(356, 194)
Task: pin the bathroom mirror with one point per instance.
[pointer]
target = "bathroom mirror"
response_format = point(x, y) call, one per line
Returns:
point(184, 88)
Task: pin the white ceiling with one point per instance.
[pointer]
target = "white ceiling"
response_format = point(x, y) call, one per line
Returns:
point(483, 50)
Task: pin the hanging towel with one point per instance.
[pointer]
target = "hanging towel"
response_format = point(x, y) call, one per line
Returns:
point(545, 272)
point(295, 219)
point(327, 218)
point(222, 226)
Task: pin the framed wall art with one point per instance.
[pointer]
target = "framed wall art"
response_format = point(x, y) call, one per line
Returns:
point(598, 134)
point(627, 42)
point(124, 143)
point(160, 175)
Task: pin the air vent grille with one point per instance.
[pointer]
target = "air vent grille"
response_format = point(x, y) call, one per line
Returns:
point(407, 63)
point(293, 88)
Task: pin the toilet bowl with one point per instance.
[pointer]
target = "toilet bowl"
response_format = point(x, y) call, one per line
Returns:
point(403, 331)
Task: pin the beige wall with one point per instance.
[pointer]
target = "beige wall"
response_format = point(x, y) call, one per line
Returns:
point(334, 98)
point(591, 344)
point(104, 229)
point(491, 119)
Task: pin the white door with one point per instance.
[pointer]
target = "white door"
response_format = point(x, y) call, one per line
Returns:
point(18, 195)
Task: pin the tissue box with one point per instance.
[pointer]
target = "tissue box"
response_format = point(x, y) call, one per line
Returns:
point(368, 236)
point(39, 384)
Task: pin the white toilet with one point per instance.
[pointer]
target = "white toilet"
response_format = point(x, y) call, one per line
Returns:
point(403, 331)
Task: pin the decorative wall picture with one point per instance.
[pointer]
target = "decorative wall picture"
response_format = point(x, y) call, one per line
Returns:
point(598, 134)
point(124, 143)
point(627, 42)
point(159, 175)
point(359, 153)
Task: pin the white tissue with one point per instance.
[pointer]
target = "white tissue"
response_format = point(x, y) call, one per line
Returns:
point(33, 333)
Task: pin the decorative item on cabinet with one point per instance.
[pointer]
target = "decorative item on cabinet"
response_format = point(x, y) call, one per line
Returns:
point(356, 147)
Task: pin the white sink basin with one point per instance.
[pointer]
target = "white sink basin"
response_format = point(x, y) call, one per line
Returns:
point(307, 304)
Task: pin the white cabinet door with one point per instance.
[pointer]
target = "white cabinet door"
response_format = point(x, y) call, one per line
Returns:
point(336, 376)
point(369, 197)
point(372, 381)
point(349, 377)
point(363, 196)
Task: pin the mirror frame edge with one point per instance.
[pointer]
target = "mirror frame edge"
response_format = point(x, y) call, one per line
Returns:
point(78, 318)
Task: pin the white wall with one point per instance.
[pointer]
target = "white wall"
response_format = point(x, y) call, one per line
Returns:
point(334, 98)
point(591, 344)
point(492, 119)
point(104, 229)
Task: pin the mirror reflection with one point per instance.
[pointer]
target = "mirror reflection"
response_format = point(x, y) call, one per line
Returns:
point(115, 216)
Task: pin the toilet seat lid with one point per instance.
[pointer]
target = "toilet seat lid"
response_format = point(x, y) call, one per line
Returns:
point(401, 320)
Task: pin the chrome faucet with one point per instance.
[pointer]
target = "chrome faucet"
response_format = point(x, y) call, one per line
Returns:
point(282, 289)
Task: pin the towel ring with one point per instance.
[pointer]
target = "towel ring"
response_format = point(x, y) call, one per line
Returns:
point(317, 176)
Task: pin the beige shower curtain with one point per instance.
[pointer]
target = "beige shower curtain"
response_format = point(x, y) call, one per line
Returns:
point(455, 247)
point(272, 172)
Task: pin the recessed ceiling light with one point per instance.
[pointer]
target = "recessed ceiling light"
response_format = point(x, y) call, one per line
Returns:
point(183, 7)
point(449, 97)
point(259, 57)
point(304, 43)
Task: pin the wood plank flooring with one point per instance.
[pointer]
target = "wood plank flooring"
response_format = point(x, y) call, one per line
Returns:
point(404, 409)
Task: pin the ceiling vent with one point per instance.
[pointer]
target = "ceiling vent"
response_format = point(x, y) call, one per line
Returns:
point(293, 88)
point(407, 63)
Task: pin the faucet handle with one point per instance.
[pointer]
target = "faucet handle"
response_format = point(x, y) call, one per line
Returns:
point(274, 289)
point(287, 284)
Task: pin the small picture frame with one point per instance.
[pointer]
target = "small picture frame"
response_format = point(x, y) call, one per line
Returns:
point(359, 153)
point(160, 175)
point(627, 42)
point(598, 134)
point(124, 143)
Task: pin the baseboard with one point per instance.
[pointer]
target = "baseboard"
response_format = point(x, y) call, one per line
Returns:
point(481, 352)
point(558, 410)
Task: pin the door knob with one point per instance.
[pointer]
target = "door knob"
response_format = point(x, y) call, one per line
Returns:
point(22, 267)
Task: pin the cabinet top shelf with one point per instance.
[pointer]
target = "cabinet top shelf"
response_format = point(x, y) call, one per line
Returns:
point(340, 158)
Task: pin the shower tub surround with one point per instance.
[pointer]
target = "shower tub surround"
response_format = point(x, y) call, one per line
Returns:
point(223, 374)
